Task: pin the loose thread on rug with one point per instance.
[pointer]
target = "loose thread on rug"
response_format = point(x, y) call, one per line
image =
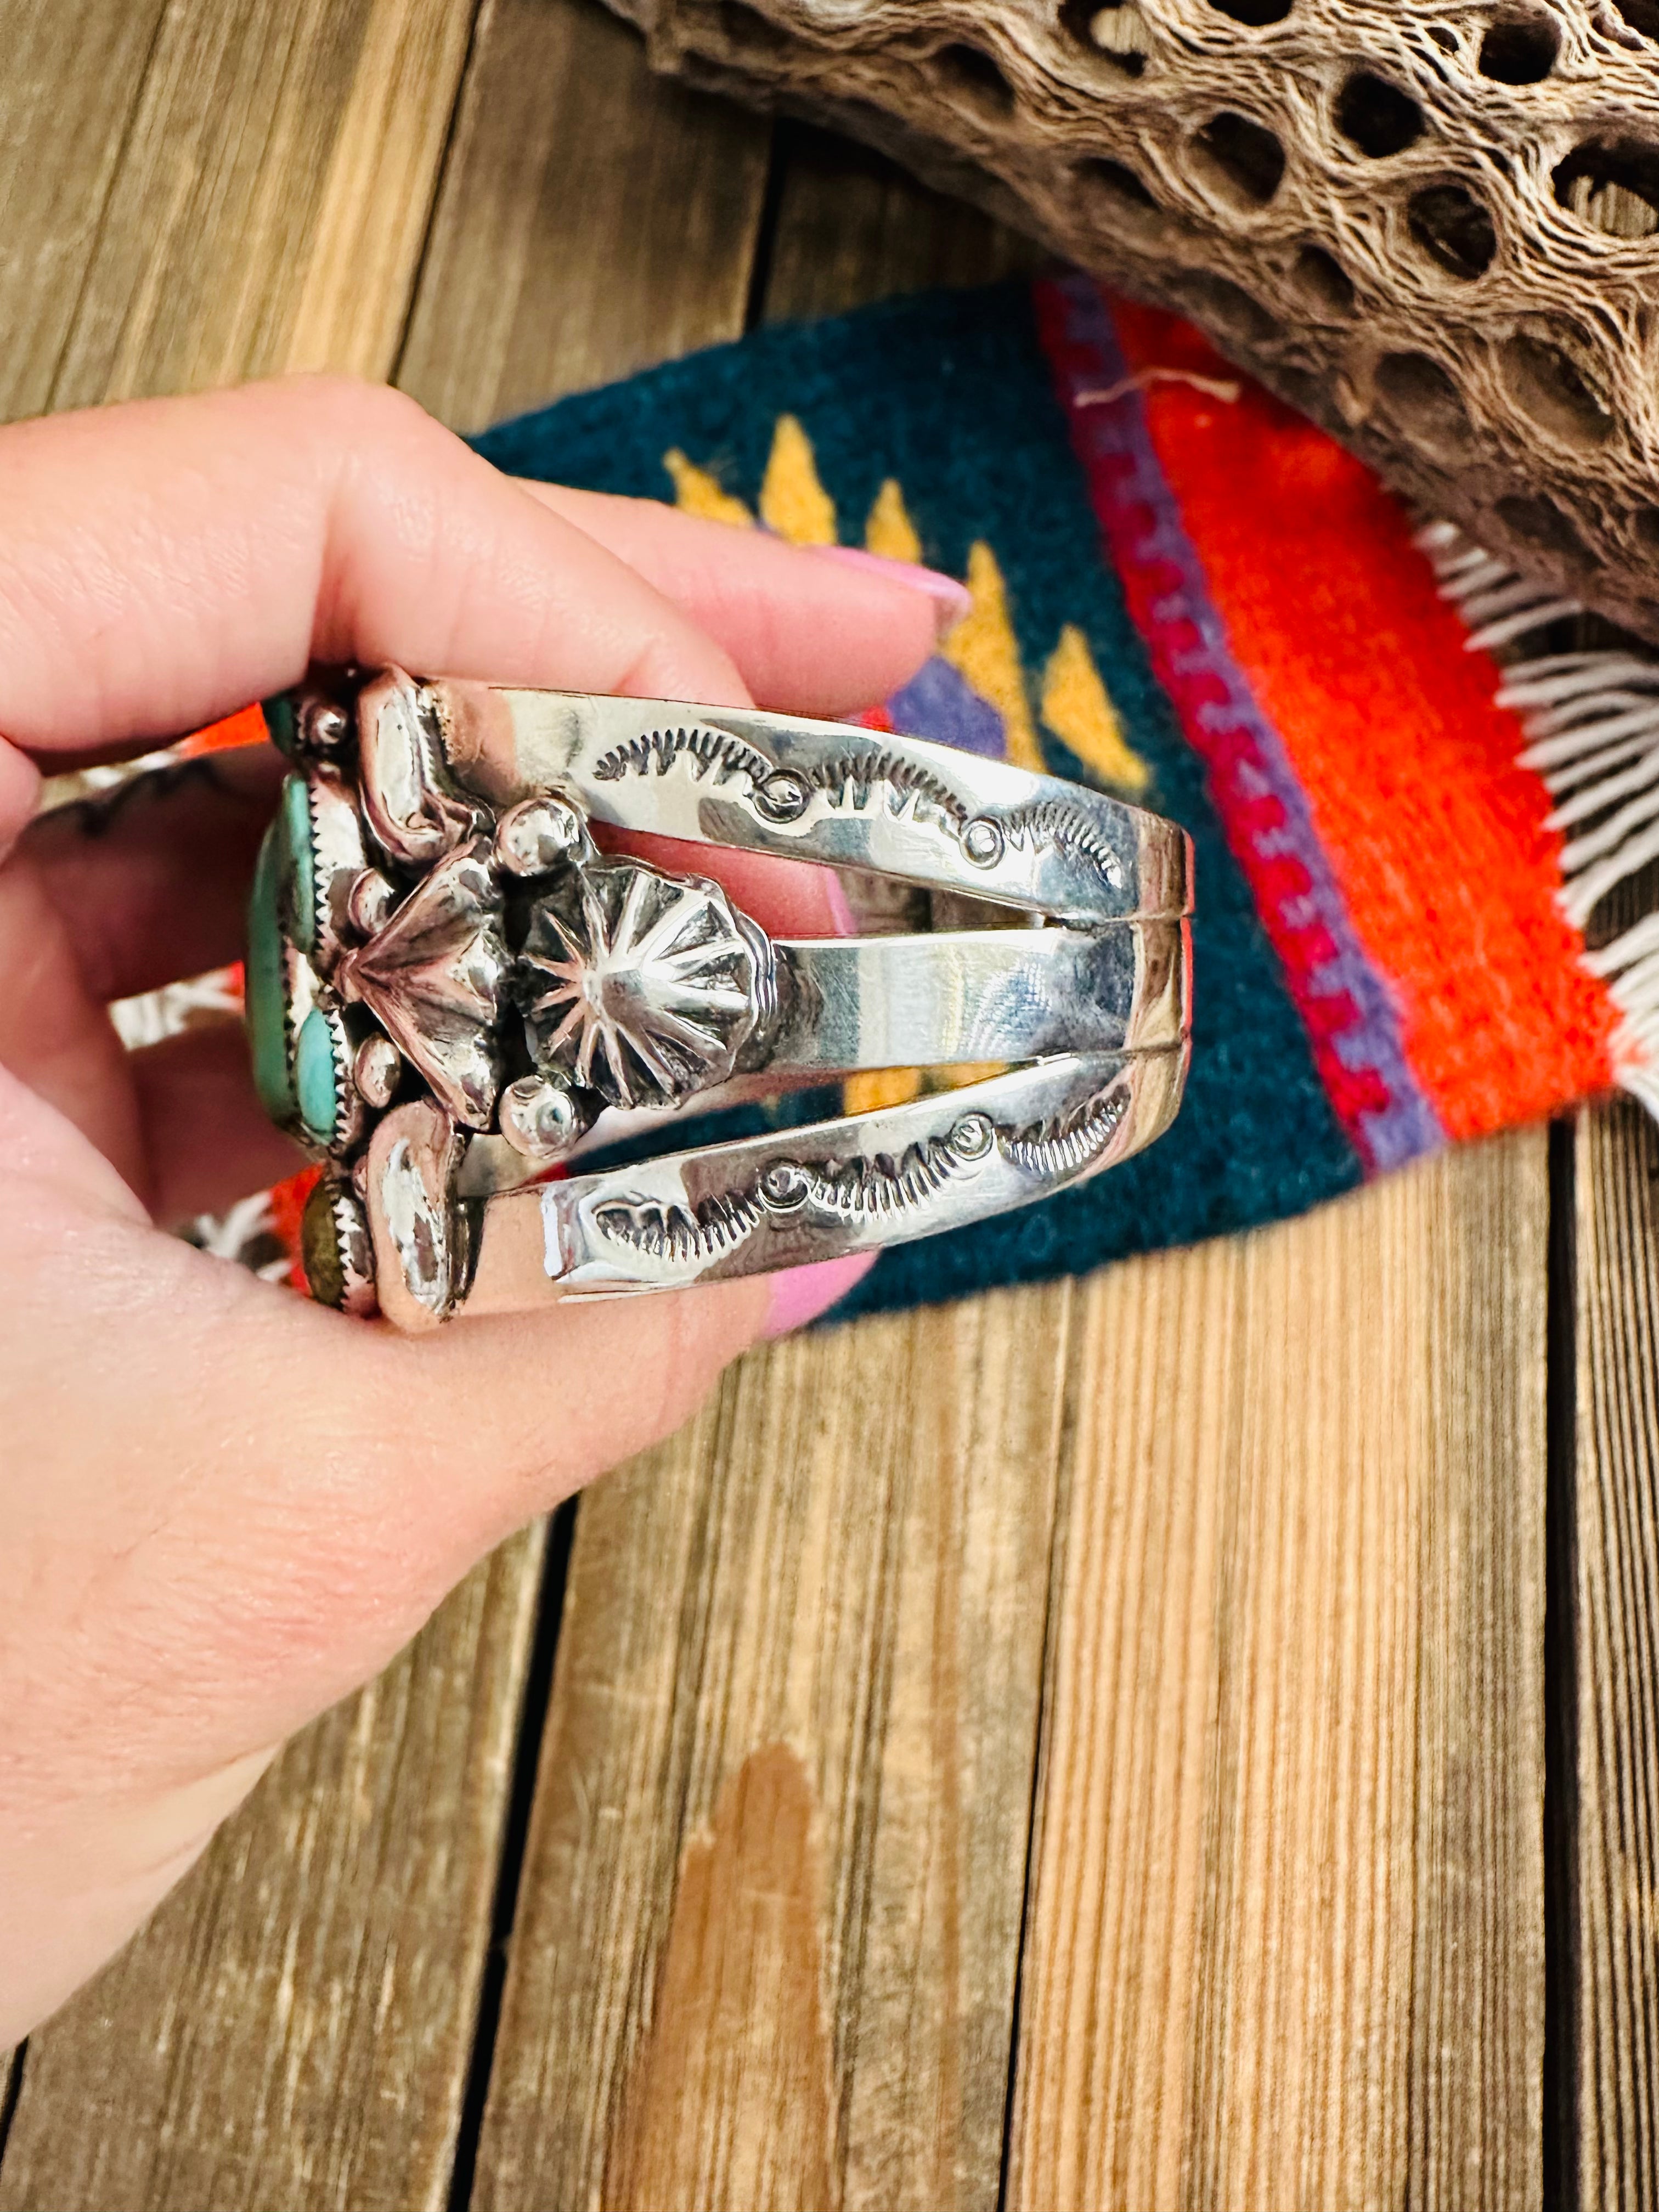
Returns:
point(1222, 388)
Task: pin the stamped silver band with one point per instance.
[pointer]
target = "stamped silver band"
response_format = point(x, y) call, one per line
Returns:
point(449, 983)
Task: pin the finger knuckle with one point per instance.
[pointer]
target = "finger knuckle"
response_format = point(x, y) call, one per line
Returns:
point(352, 411)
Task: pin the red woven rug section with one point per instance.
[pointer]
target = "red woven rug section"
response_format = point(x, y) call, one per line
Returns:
point(1436, 835)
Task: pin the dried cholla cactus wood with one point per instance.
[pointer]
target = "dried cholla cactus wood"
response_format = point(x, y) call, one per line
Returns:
point(1435, 227)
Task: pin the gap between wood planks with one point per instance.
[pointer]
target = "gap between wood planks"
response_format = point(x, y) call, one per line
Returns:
point(1560, 2118)
point(522, 1792)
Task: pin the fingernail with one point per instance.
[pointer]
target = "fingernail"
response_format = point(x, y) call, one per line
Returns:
point(840, 906)
point(952, 600)
point(801, 1294)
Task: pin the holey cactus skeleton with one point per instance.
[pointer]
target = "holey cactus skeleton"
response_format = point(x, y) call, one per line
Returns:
point(1434, 228)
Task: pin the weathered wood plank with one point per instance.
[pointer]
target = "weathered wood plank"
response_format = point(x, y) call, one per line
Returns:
point(766, 1939)
point(359, 262)
point(271, 197)
point(73, 80)
point(1285, 1944)
point(1476, 2053)
point(852, 227)
point(593, 219)
point(1612, 1944)
point(292, 2027)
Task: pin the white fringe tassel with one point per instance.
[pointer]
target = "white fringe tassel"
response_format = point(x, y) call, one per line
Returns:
point(154, 1016)
point(235, 1235)
point(1592, 727)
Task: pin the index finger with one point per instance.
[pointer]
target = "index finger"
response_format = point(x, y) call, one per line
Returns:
point(166, 560)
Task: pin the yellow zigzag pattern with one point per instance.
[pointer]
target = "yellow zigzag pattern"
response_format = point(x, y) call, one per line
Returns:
point(1073, 700)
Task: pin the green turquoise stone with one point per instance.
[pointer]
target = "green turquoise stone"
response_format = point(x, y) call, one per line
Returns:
point(296, 1076)
point(281, 722)
point(302, 864)
point(317, 1078)
point(266, 979)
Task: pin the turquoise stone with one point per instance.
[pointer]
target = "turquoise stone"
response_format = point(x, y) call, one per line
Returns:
point(302, 864)
point(317, 1078)
point(281, 722)
point(267, 1003)
point(297, 1076)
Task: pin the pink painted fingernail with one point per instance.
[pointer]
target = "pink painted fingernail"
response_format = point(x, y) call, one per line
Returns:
point(840, 906)
point(801, 1294)
point(952, 600)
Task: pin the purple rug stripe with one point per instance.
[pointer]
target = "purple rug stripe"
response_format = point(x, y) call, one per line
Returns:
point(938, 702)
point(1112, 435)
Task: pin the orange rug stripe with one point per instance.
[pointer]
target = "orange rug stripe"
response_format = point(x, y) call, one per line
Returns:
point(246, 726)
point(1435, 835)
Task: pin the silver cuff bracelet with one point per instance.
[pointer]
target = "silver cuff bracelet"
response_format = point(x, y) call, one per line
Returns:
point(449, 983)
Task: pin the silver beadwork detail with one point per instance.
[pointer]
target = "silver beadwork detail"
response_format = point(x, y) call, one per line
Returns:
point(377, 1070)
point(324, 727)
point(540, 1119)
point(981, 841)
point(537, 836)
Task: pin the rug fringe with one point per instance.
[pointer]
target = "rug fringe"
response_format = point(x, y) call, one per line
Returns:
point(240, 1232)
point(1591, 721)
point(154, 1016)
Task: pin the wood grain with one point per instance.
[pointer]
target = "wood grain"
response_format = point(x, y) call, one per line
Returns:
point(357, 271)
point(852, 227)
point(270, 195)
point(1285, 1943)
point(766, 1939)
point(73, 77)
point(593, 219)
point(1613, 1943)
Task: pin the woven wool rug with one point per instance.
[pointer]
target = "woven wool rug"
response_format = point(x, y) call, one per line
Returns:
point(1185, 594)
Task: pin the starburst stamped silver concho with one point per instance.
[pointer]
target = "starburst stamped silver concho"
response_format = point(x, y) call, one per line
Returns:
point(641, 986)
point(449, 984)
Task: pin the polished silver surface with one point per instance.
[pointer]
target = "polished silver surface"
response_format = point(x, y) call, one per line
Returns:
point(418, 1233)
point(432, 976)
point(489, 985)
point(819, 791)
point(971, 995)
point(844, 1186)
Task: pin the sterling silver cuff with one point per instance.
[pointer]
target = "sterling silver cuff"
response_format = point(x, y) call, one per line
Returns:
point(449, 983)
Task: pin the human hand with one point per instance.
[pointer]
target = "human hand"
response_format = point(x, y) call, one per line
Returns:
point(223, 1508)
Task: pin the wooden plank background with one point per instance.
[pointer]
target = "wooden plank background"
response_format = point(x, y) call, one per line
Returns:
point(1605, 1591)
point(1085, 1746)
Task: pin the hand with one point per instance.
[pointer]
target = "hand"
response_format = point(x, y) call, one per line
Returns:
point(223, 1508)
